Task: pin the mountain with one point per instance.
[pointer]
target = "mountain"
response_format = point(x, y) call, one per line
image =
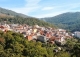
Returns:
point(13, 17)
point(69, 21)
point(11, 13)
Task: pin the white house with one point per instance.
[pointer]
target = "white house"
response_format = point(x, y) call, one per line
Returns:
point(77, 34)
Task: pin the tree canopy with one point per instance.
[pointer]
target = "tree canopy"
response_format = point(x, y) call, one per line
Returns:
point(69, 21)
point(13, 44)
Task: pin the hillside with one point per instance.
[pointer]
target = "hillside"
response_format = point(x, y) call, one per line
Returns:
point(28, 21)
point(11, 13)
point(15, 45)
point(13, 17)
point(69, 21)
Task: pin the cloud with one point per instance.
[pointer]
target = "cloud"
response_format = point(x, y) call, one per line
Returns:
point(32, 2)
point(48, 8)
point(42, 10)
point(49, 14)
point(30, 6)
point(25, 10)
point(59, 10)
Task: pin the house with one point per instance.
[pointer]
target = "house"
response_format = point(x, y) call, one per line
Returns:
point(52, 39)
point(5, 27)
point(29, 37)
point(24, 34)
point(34, 37)
point(41, 32)
point(36, 26)
point(42, 38)
point(77, 34)
point(34, 30)
point(48, 35)
point(60, 40)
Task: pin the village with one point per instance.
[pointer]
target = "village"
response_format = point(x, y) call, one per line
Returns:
point(38, 33)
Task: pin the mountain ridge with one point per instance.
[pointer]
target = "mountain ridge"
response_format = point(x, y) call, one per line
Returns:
point(12, 13)
point(12, 17)
point(69, 21)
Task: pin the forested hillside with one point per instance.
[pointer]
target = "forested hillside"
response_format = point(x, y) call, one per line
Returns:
point(69, 21)
point(13, 17)
point(12, 13)
point(28, 21)
point(15, 45)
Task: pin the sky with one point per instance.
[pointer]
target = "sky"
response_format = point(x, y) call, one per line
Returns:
point(41, 8)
